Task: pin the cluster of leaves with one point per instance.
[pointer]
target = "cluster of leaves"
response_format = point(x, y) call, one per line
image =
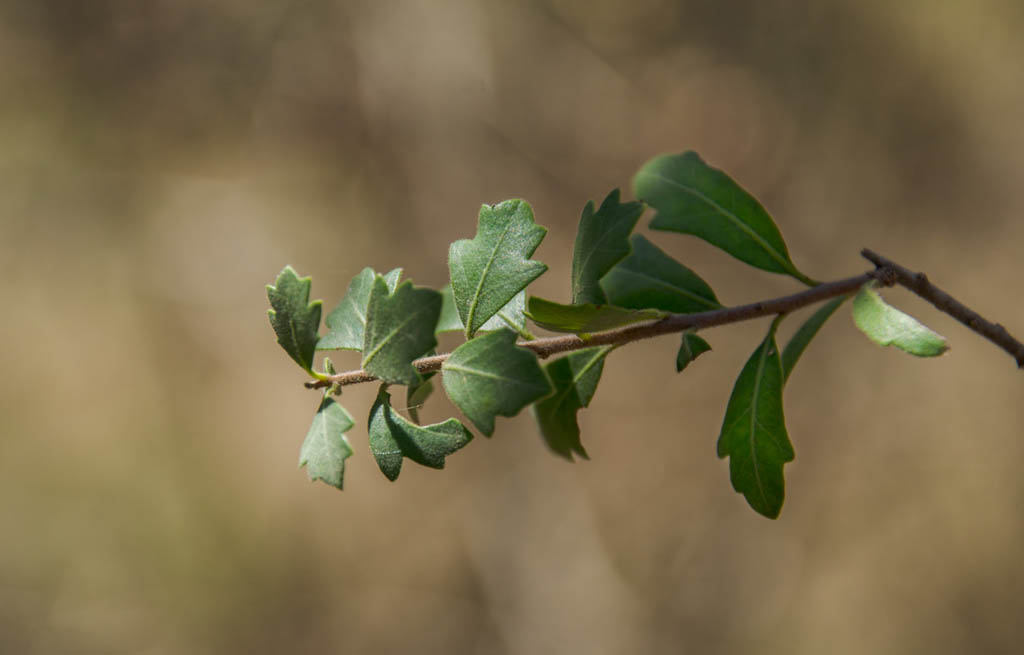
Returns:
point(618, 278)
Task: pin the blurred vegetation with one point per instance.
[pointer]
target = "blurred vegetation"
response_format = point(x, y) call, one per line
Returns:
point(161, 161)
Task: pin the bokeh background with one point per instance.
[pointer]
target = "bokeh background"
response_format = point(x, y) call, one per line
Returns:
point(161, 161)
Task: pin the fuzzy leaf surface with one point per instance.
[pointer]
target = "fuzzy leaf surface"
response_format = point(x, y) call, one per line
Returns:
point(575, 379)
point(690, 349)
point(295, 320)
point(650, 278)
point(399, 328)
point(509, 316)
point(806, 332)
point(491, 376)
point(326, 448)
point(694, 198)
point(417, 394)
point(347, 321)
point(888, 326)
point(602, 240)
point(585, 319)
point(393, 438)
point(490, 269)
point(754, 434)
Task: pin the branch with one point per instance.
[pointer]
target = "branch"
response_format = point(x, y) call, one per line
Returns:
point(919, 284)
point(886, 274)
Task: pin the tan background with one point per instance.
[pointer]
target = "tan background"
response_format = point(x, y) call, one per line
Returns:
point(161, 161)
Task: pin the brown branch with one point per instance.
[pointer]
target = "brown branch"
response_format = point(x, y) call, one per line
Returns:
point(887, 273)
point(919, 284)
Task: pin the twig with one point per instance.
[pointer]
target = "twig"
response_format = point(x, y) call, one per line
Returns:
point(887, 273)
point(919, 284)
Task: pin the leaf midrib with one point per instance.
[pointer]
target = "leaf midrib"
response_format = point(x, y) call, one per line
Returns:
point(710, 304)
point(471, 314)
point(755, 397)
point(780, 258)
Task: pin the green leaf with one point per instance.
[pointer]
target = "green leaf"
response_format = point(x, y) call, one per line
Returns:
point(489, 270)
point(690, 349)
point(326, 448)
point(802, 337)
point(649, 278)
point(490, 376)
point(347, 322)
point(399, 328)
point(585, 319)
point(417, 394)
point(392, 438)
point(295, 320)
point(888, 326)
point(754, 430)
point(694, 198)
point(601, 242)
point(509, 316)
point(575, 379)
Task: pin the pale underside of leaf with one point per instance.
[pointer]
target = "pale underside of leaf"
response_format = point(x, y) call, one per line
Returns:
point(888, 326)
point(326, 448)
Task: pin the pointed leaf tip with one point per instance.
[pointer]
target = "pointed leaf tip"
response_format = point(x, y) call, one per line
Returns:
point(347, 322)
point(694, 198)
point(690, 349)
point(295, 320)
point(326, 448)
point(490, 269)
point(888, 326)
point(754, 436)
point(602, 240)
point(574, 378)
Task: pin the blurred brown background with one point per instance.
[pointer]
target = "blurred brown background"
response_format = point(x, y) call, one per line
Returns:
point(161, 161)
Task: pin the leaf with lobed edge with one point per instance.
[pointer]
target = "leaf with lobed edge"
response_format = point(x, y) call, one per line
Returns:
point(326, 448)
point(585, 319)
point(295, 320)
point(490, 269)
point(575, 379)
point(509, 316)
point(888, 326)
point(694, 198)
point(602, 240)
point(754, 434)
point(650, 278)
point(399, 329)
point(491, 376)
point(392, 438)
point(347, 322)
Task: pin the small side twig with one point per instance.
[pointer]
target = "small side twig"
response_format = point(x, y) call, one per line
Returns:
point(887, 273)
point(920, 285)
